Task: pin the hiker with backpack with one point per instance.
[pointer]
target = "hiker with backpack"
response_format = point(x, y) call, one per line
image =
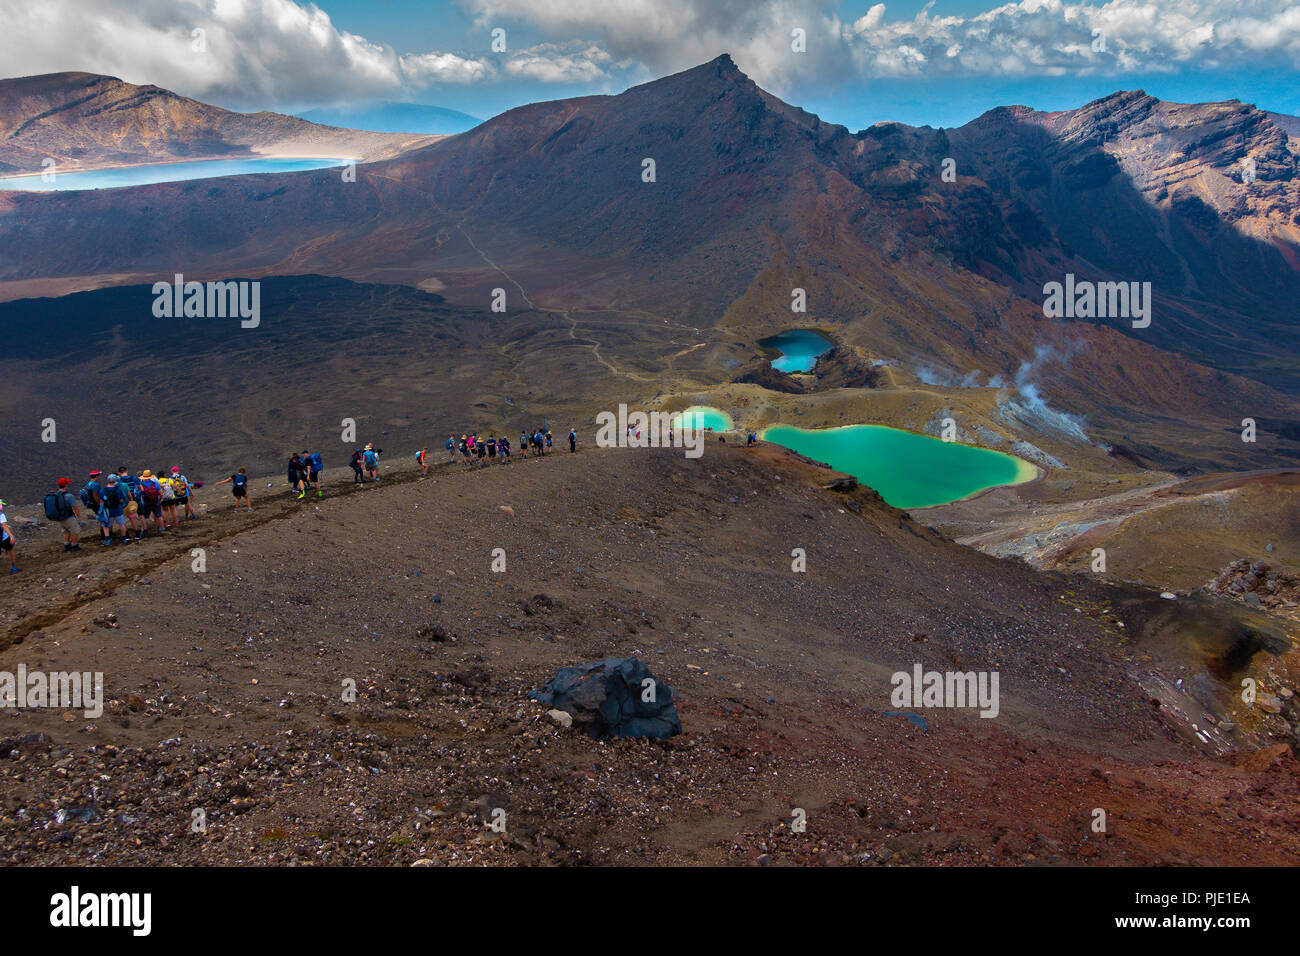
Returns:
point(503, 446)
point(131, 486)
point(7, 541)
point(450, 445)
point(422, 459)
point(151, 498)
point(573, 440)
point(112, 508)
point(371, 457)
point(239, 488)
point(295, 471)
point(358, 457)
point(168, 500)
point(313, 466)
point(89, 495)
point(184, 491)
point(61, 508)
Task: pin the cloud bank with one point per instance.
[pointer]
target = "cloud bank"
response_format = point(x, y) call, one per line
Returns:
point(283, 51)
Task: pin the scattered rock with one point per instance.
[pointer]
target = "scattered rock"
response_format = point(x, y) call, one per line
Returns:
point(608, 699)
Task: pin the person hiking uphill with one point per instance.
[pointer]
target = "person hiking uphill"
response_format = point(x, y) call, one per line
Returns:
point(61, 508)
point(89, 495)
point(7, 541)
point(184, 491)
point(371, 456)
point(295, 473)
point(239, 483)
point(131, 485)
point(422, 458)
point(573, 440)
point(151, 496)
point(112, 511)
point(312, 467)
point(356, 461)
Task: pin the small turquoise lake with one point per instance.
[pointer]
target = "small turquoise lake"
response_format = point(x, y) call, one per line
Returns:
point(703, 416)
point(799, 348)
point(165, 173)
point(906, 469)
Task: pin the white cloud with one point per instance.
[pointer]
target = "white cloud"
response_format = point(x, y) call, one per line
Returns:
point(254, 52)
point(670, 35)
point(1033, 37)
point(1050, 37)
point(290, 53)
point(548, 64)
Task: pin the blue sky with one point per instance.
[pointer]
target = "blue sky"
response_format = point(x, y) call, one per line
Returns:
point(940, 63)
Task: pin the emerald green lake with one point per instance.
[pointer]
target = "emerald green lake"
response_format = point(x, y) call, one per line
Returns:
point(906, 469)
point(703, 416)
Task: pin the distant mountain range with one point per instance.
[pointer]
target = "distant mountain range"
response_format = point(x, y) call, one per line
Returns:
point(389, 117)
point(83, 120)
point(752, 198)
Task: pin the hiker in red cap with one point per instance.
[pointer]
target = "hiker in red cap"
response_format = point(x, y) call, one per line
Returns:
point(61, 508)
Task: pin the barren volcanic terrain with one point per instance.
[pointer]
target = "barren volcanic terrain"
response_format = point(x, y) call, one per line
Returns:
point(225, 686)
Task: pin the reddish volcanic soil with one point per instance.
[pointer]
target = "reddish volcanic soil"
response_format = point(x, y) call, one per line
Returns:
point(225, 686)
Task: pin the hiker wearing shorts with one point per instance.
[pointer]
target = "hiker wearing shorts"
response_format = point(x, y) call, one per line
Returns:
point(61, 508)
point(573, 440)
point(492, 447)
point(183, 489)
point(355, 461)
point(503, 446)
point(450, 445)
point(7, 541)
point(168, 500)
point(112, 511)
point(134, 524)
point(151, 503)
point(371, 457)
point(239, 488)
point(422, 456)
point(90, 495)
point(312, 467)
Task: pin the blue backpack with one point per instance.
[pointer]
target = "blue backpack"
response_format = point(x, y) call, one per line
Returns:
point(316, 462)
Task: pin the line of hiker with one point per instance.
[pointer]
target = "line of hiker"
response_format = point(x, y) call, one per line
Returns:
point(125, 506)
point(494, 449)
point(128, 507)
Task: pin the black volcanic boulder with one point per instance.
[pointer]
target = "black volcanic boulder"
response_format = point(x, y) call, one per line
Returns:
point(608, 699)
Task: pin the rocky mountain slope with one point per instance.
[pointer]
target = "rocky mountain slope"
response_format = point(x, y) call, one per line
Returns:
point(225, 688)
point(752, 198)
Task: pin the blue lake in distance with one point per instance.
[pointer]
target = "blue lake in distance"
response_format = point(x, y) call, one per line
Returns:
point(165, 173)
point(799, 348)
